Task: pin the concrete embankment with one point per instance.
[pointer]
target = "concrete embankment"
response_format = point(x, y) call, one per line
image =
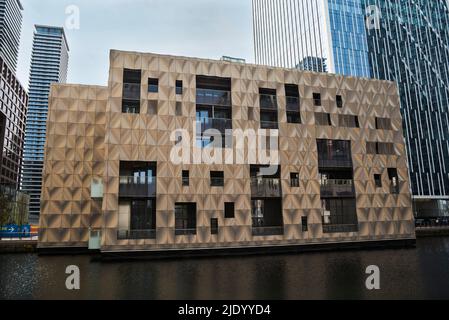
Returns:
point(18, 246)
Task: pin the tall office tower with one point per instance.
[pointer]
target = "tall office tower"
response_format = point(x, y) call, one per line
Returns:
point(49, 64)
point(411, 47)
point(10, 28)
point(13, 110)
point(315, 35)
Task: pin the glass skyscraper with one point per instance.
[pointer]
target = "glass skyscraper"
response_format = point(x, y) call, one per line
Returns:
point(410, 47)
point(49, 64)
point(10, 27)
point(314, 35)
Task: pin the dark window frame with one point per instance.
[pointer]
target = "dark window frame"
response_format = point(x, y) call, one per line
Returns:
point(229, 211)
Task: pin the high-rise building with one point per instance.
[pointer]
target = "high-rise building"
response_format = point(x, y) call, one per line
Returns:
point(293, 33)
point(49, 63)
point(410, 45)
point(112, 180)
point(13, 110)
point(10, 28)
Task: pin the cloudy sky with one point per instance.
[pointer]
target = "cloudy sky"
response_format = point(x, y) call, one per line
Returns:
point(199, 28)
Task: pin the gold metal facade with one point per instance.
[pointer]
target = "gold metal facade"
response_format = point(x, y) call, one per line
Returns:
point(88, 136)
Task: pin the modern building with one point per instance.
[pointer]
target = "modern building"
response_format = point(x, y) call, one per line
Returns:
point(49, 63)
point(291, 33)
point(13, 112)
point(411, 47)
point(128, 166)
point(10, 29)
point(408, 45)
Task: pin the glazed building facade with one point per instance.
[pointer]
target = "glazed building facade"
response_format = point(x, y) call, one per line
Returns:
point(110, 182)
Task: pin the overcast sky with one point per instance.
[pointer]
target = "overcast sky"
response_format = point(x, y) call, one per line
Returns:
point(198, 28)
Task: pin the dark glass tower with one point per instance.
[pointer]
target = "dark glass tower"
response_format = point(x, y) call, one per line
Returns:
point(411, 47)
point(10, 27)
point(49, 63)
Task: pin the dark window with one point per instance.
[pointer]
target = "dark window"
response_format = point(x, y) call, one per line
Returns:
point(178, 86)
point(216, 179)
point(294, 180)
point(185, 178)
point(385, 148)
point(317, 99)
point(339, 101)
point(383, 124)
point(305, 224)
point(131, 106)
point(152, 107)
point(371, 148)
point(153, 85)
point(394, 180)
point(348, 121)
point(378, 180)
point(185, 218)
point(178, 110)
point(214, 226)
point(229, 210)
point(323, 119)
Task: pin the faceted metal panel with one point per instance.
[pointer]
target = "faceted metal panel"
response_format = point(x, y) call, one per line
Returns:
point(146, 137)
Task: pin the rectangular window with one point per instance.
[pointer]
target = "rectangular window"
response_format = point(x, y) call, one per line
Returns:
point(323, 119)
point(185, 178)
point(378, 180)
point(214, 226)
point(153, 85)
point(229, 210)
point(131, 106)
point(217, 179)
point(294, 180)
point(371, 148)
point(348, 121)
point(339, 101)
point(178, 110)
point(383, 124)
point(385, 148)
point(304, 224)
point(317, 99)
point(179, 87)
point(185, 219)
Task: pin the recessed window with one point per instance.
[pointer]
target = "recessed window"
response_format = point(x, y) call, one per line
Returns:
point(214, 226)
point(348, 121)
point(178, 110)
point(229, 210)
point(339, 101)
point(131, 106)
point(378, 180)
point(153, 85)
point(152, 107)
point(294, 180)
point(304, 224)
point(323, 119)
point(185, 219)
point(317, 99)
point(383, 124)
point(217, 179)
point(179, 87)
point(185, 178)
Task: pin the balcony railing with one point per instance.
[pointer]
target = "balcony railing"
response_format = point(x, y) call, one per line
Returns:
point(267, 231)
point(292, 104)
point(137, 187)
point(268, 101)
point(185, 232)
point(213, 97)
point(340, 228)
point(266, 188)
point(335, 163)
point(269, 125)
point(221, 125)
point(136, 234)
point(337, 188)
point(131, 91)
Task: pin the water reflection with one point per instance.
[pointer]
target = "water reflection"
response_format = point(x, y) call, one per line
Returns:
point(408, 273)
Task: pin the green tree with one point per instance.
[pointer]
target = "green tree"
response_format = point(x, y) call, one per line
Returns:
point(5, 206)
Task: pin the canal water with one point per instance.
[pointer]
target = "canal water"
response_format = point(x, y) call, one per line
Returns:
point(421, 273)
